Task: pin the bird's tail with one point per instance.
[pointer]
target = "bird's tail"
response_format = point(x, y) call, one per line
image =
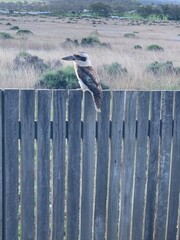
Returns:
point(97, 97)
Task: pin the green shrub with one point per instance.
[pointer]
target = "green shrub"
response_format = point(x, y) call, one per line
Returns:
point(64, 78)
point(4, 35)
point(70, 43)
point(24, 59)
point(24, 33)
point(160, 68)
point(59, 79)
point(90, 41)
point(94, 34)
point(24, 54)
point(155, 47)
point(137, 47)
point(129, 35)
point(14, 28)
point(114, 69)
point(104, 86)
point(177, 70)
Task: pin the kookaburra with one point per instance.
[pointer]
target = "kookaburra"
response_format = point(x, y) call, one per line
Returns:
point(88, 78)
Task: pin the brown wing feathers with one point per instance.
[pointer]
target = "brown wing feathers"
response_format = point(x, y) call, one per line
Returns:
point(97, 101)
point(90, 78)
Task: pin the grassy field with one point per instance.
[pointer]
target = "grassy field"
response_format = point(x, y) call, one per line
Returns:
point(50, 32)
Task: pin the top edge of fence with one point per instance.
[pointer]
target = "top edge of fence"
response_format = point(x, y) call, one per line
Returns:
point(79, 90)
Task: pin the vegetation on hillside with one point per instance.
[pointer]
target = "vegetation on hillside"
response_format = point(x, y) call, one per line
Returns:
point(89, 41)
point(96, 9)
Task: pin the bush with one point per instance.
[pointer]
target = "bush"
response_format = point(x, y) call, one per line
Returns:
point(137, 47)
point(160, 68)
point(101, 9)
point(59, 79)
point(96, 34)
point(14, 28)
point(89, 41)
point(104, 86)
point(24, 54)
point(64, 78)
point(24, 33)
point(70, 43)
point(27, 60)
point(129, 35)
point(114, 69)
point(4, 35)
point(155, 47)
point(92, 41)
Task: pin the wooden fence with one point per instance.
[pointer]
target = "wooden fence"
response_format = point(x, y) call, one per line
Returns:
point(69, 173)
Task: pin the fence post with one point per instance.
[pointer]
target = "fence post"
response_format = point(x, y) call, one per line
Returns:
point(141, 164)
point(153, 164)
point(59, 156)
point(165, 160)
point(102, 168)
point(175, 167)
point(115, 164)
point(43, 164)
point(11, 172)
point(1, 165)
point(27, 108)
point(128, 164)
point(74, 158)
point(88, 167)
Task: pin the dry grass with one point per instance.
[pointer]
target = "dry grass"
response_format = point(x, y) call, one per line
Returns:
point(49, 32)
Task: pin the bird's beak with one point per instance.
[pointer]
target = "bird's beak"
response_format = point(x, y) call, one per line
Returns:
point(69, 58)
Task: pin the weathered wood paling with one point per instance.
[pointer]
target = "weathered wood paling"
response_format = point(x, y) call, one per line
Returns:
point(1, 165)
point(102, 168)
point(165, 159)
point(10, 161)
point(27, 164)
point(153, 164)
point(141, 164)
point(175, 180)
point(43, 164)
point(88, 167)
point(115, 164)
point(74, 158)
point(128, 164)
point(59, 150)
point(128, 186)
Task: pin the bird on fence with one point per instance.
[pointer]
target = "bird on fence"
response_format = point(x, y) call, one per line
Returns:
point(88, 78)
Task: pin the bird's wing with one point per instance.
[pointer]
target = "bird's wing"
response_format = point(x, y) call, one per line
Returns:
point(90, 78)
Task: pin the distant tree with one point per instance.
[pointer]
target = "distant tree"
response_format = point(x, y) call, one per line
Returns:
point(100, 9)
point(172, 11)
point(63, 7)
point(146, 11)
point(129, 4)
point(11, 11)
point(119, 9)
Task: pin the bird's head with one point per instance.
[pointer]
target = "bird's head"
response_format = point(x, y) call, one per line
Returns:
point(81, 59)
